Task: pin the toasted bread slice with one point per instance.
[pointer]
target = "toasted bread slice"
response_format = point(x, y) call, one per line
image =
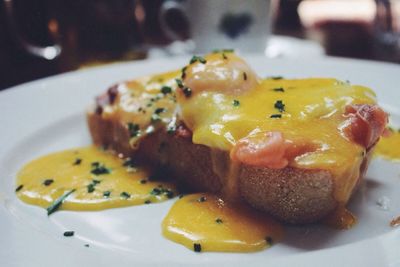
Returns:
point(142, 120)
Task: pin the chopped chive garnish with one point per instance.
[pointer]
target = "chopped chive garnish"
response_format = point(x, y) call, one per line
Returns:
point(269, 240)
point(156, 191)
point(279, 89)
point(197, 58)
point(48, 182)
point(166, 90)
point(58, 202)
point(183, 76)
point(99, 169)
point(179, 83)
point(19, 187)
point(276, 116)
point(125, 195)
point(197, 247)
point(107, 194)
point(134, 129)
point(218, 220)
point(236, 103)
point(202, 199)
point(77, 161)
point(129, 163)
point(159, 110)
point(275, 77)
point(279, 105)
point(90, 188)
point(69, 233)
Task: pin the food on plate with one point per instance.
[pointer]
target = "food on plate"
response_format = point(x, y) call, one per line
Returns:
point(99, 180)
point(296, 149)
point(249, 147)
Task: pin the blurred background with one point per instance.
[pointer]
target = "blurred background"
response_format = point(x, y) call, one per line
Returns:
point(40, 38)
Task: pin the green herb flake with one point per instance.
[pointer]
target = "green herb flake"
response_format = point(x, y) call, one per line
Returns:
point(90, 188)
point(269, 240)
point(125, 195)
point(58, 202)
point(69, 233)
point(48, 182)
point(279, 89)
point(155, 191)
point(106, 194)
point(179, 83)
point(276, 116)
point(199, 59)
point(19, 187)
point(197, 247)
point(219, 221)
point(99, 169)
point(166, 90)
point(128, 162)
point(279, 105)
point(134, 129)
point(183, 76)
point(77, 161)
point(275, 77)
point(236, 103)
point(159, 110)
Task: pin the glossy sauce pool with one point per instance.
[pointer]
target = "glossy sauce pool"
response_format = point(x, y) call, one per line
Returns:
point(90, 178)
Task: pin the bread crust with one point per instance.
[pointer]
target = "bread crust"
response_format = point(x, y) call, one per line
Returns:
point(291, 195)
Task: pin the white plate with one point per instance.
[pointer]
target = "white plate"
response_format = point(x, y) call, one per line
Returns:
point(48, 115)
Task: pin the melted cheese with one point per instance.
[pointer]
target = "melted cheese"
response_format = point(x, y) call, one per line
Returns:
point(389, 147)
point(216, 225)
point(126, 185)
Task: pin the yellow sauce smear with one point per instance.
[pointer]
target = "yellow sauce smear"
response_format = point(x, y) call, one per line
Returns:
point(101, 180)
point(389, 147)
point(341, 219)
point(204, 222)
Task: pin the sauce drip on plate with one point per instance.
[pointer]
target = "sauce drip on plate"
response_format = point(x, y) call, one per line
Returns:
point(204, 222)
point(88, 178)
point(389, 146)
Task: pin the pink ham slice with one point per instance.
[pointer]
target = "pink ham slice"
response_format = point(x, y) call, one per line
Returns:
point(365, 124)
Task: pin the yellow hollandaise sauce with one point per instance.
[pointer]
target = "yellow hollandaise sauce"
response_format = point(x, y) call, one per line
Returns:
point(88, 178)
point(309, 113)
point(204, 222)
point(389, 146)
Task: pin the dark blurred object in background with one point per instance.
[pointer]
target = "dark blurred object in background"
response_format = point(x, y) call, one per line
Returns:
point(93, 32)
point(88, 32)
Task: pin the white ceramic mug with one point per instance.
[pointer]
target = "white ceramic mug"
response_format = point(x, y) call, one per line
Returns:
point(223, 24)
